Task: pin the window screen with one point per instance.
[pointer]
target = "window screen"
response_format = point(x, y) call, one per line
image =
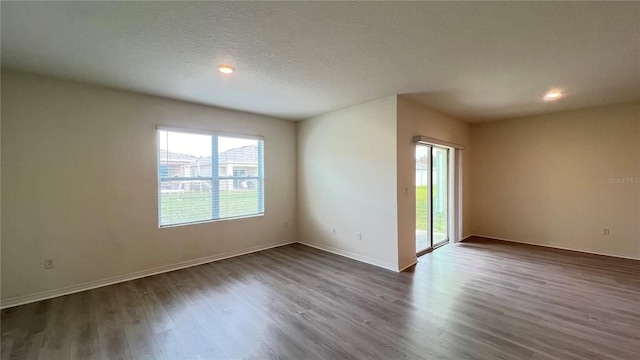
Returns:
point(204, 177)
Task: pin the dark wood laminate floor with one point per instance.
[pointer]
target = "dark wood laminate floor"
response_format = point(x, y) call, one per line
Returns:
point(477, 300)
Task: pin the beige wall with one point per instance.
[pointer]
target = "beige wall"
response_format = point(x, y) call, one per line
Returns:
point(417, 119)
point(545, 179)
point(79, 184)
point(347, 181)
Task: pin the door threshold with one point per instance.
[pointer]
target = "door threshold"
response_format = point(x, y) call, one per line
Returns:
point(441, 244)
point(436, 246)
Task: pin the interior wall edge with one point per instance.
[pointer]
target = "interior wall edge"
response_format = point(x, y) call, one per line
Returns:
point(151, 95)
point(467, 236)
point(407, 265)
point(53, 293)
point(353, 256)
point(552, 246)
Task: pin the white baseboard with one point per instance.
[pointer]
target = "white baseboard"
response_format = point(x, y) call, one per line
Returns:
point(48, 294)
point(552, 246)
point(354, 256)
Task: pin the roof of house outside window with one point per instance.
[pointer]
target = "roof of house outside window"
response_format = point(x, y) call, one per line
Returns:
point(245, 154)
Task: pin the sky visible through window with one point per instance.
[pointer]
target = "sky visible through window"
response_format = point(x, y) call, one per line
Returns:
point(198, 145)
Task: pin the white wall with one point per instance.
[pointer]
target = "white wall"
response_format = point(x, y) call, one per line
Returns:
point(545, 179)
point(79, 185)
point(347, 181)
point(417, 119)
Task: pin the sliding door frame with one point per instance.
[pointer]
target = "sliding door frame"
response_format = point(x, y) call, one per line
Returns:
point(429, 198)
point(454, 166)
point(448, 198)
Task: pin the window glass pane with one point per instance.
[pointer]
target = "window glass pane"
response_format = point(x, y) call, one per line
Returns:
point(184, 202)
point(238, 160)
point(195, 145)
point(238, 201)
point(183, 155)
point(440, 196)
point(237, 157)
point(195, 186)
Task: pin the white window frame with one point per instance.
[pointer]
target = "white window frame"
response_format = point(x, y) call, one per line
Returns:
point(215, 177)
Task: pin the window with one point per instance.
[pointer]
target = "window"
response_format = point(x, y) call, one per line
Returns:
point(204, 176)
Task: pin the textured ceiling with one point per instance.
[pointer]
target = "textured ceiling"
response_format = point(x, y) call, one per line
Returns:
point(477, 61)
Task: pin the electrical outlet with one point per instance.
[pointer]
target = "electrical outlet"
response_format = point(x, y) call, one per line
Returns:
point(286, 225)
point(48, 263)
point(605, 231)
point(359, 236)
point(333, 231)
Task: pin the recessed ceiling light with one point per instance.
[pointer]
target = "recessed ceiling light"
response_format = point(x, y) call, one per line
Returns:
point(553, 95)
point(226, 69)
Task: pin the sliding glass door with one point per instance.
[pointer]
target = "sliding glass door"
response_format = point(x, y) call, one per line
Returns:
point(440, 195)
point(423, 200)
point(432, 204)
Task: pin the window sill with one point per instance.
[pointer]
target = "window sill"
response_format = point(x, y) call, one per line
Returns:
point(211, 221)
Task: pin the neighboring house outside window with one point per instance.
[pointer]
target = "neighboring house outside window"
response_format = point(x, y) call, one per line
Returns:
point(189, 191)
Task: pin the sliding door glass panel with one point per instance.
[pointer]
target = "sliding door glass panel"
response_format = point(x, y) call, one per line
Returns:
point(440, 175)
point(423, 199)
